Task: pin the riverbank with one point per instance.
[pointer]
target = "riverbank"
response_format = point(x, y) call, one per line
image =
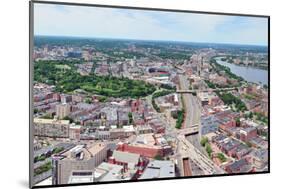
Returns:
point(249, 74)
point(258, 66)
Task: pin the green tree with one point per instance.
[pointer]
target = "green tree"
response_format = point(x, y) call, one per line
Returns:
point(221, 157)
point(68, 118)
point(208, 149)
point(249, 144)
point(204, 141)
point(237, 122)
point(158, 157)
point(180, 119)
point(251, 115)
point(44, 168)
point(130, 115)
point(58, 150)
point(69, 80)
point(88, 100)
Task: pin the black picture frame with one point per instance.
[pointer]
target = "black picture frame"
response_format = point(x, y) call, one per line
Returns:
point(31, 40)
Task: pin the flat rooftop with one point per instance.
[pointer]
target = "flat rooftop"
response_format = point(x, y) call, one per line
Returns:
point(159, 169)
point(50, 121)
point(83, 151)
point(80, 179)
point(126, 157)
point(145, 140)
point(150, 140)
point(108, 172)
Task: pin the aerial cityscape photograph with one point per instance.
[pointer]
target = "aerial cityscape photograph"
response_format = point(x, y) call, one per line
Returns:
point(129, 95)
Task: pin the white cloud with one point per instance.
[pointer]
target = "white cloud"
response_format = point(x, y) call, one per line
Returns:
point(84, 21)
point(119, 23)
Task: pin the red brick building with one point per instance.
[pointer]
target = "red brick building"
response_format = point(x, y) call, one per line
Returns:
point(147, 145)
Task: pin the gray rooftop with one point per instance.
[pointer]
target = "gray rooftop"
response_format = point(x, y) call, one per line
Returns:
point(126, 157)
point(159, 169)
point(113, 172)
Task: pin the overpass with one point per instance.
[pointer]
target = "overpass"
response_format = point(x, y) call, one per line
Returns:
point(190, 151)
point(181, 70)
point(207, 90)
point(189, 131)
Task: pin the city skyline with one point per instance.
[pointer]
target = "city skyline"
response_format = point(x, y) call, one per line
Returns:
point(70, 21)
point(176, 108)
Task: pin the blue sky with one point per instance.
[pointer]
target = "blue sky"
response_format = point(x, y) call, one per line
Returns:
point(65, 20)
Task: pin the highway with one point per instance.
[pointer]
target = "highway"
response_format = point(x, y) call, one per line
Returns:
point(189, 146)
point(186, 149)
point(190, 104)
point(192, 111)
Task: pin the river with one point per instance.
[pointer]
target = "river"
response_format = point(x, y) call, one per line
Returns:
point(250, 74)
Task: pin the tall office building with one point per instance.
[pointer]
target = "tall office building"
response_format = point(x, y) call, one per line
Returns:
point(80, 158)
point(62, 110)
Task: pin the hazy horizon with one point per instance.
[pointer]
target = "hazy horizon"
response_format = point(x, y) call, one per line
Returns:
point(148, 40)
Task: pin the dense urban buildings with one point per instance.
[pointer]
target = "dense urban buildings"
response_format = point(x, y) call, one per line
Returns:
point(116, 110)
